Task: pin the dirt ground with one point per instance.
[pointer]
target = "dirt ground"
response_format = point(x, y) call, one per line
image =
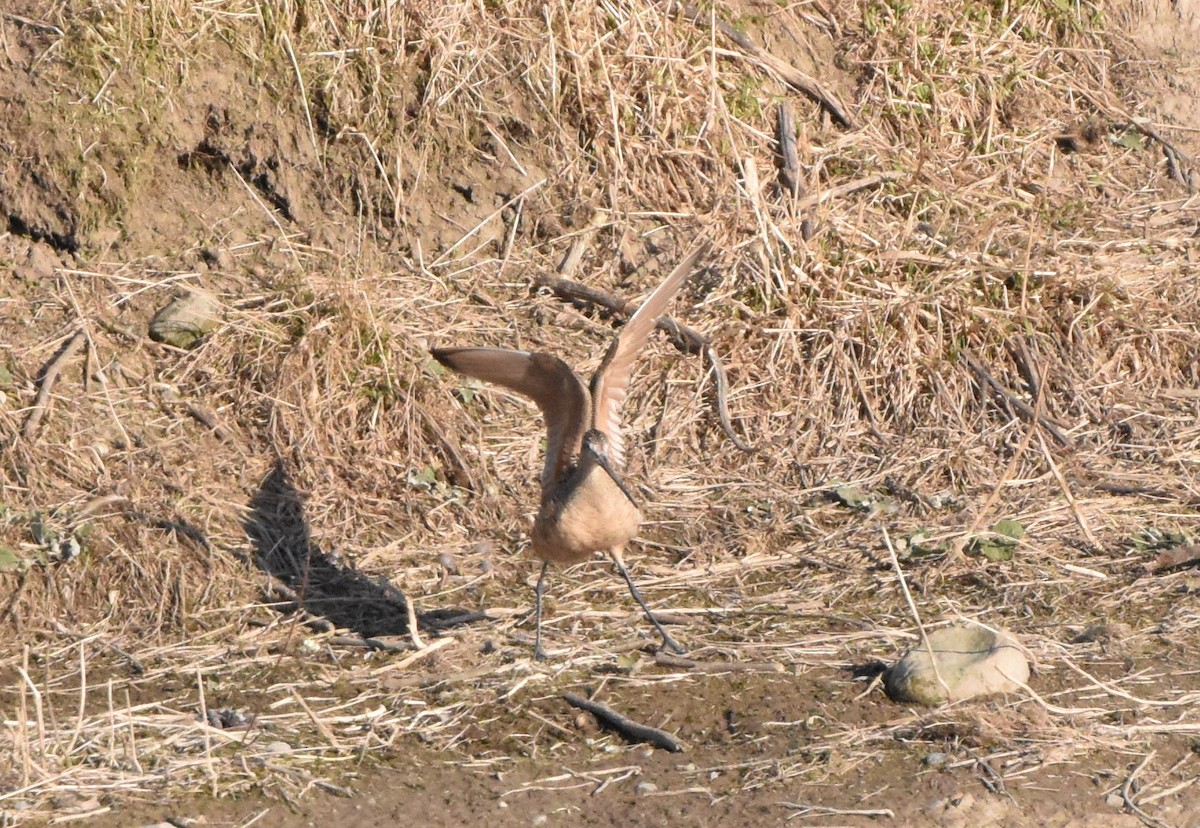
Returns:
point(749, 742)
point(274, 576)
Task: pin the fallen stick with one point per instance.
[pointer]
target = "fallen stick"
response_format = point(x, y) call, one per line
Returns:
point(368, 643)
point(1150, 492)
point(788, 159)
point(792, 76)
point(1177, 557)
point(813, 199)
point(459, 471)
point(1019, 406)
point(708, 667)
point(804, 809)
point(49, 377)
point(628, 728)
point(208, 418)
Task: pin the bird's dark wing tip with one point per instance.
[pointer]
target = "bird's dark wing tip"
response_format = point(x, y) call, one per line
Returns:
point(443, 355)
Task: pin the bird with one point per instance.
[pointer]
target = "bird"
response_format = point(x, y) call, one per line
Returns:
point(586, 506)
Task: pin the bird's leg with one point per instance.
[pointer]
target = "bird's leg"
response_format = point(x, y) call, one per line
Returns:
point(538, 653)
point(668, 642)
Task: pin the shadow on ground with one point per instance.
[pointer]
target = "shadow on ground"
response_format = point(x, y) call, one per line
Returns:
point(318, 582)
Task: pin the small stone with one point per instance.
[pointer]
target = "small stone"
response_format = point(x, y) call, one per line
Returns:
point(972, 660)
point(1114, 801)
point(446, 560)
point(38, 264)
point(279, 748)
point(215, 258)
point(1103, 633)
point(952, 806)
point(67, 549)
point(935, 760)
point(540, 819)
point(104, 238)
point(645, 788)
point(186, 318)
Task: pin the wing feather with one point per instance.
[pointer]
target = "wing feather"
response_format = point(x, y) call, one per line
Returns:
point(610, 384)
point(543, 378)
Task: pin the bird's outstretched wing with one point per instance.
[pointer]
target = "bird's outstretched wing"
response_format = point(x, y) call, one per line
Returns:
point(546, 380)
point(610, 383)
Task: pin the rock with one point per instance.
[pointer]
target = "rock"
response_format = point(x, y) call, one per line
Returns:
point(216, 258)
point(1103, 633)
point(935, 760)
point(1115, 801)
point(186, 318)
point(645, 788)
point(38, 264)
point(281, 748)
point(971, 660)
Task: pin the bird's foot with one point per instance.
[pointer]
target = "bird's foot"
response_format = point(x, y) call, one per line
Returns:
point(671, 644)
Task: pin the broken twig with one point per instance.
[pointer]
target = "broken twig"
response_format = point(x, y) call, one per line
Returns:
point(1019, 406)
point(1178, 557)
point(49, 377)
point(626, 727)
point(790, 75)
point(788, 159)
point(708, 667)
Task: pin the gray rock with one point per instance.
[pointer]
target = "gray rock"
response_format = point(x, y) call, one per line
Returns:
point(186, 318)
point(644, 788)
point(971, 661)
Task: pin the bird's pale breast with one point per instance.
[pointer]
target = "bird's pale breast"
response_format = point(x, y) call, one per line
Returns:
point(594, 515)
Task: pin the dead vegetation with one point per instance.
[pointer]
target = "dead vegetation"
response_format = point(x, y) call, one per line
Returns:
point(977, 303)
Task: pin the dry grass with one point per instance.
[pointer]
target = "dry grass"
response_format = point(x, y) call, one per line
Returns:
point(376, 179)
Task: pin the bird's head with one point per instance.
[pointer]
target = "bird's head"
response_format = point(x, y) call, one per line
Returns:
point(595, 442)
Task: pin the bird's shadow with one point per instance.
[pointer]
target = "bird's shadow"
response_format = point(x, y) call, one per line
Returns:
point(319, 582)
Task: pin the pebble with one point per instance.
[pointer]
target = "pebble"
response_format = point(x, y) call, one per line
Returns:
point(645, 788)
point(281, 748)
point(38, 264)
point(936, 760)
